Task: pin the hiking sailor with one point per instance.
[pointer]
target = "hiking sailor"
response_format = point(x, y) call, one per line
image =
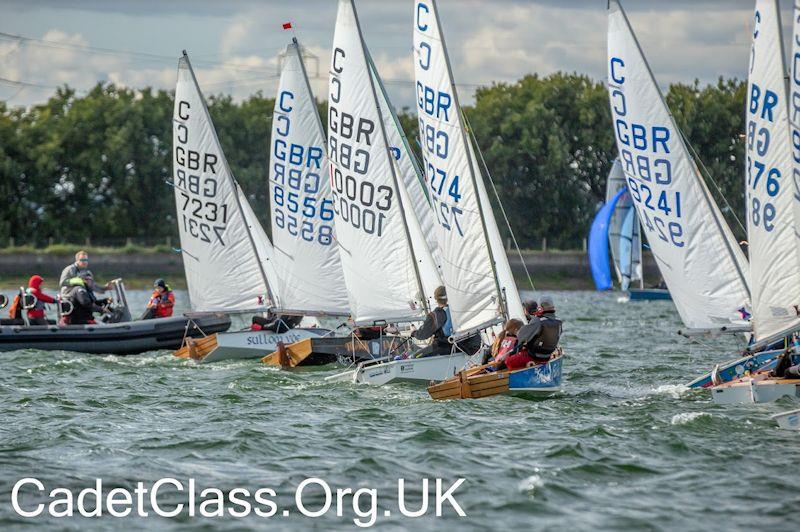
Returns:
point(438, 326)
point(80, 268)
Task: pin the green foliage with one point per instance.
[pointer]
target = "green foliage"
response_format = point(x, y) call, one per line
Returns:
point(96, 167)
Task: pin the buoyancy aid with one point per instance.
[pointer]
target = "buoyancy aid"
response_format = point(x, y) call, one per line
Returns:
point(549, 335)
point(445, 330)
point(507, 345)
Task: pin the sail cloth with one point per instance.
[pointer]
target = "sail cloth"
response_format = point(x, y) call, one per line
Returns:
point(695, 250)
point(223, 269)
point(411, 186)
point(377, 259)
point(770, 205)
point(624, 236)
point(306, 255)
point(599, 244)
point(467, 263)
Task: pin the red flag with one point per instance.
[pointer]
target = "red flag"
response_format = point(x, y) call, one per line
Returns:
point(287, 25)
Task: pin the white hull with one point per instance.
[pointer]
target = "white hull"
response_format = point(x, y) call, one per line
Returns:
point(256, 344)
point(422, 370)
point(754, 390)
point(788, 420)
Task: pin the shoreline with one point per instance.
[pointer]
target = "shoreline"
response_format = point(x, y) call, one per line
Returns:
point(550, 270)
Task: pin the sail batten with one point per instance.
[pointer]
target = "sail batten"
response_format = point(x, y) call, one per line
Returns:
point(224, 256)
point(704, 268)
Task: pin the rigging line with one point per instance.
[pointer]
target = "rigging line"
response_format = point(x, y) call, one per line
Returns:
point(17, 83)
point(500, 203)
point(113, 51)
point(697, 159)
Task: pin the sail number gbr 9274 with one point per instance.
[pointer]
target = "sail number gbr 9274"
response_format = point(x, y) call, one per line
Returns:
point(644, 151)
point(203, 215)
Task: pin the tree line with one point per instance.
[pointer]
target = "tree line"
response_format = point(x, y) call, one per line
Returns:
point(97, 166)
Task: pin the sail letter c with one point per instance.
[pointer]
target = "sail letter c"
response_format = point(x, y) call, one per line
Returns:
point(424, 55)
point(285, 107)
point(336, 55)
point(617, 78)
point(422, 7)
point(181, 105)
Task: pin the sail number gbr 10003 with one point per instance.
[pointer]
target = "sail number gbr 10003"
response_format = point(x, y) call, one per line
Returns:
point(202, 216)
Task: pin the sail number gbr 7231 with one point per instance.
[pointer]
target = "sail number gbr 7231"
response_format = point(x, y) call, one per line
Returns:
point(203, 215)
point(645, 154)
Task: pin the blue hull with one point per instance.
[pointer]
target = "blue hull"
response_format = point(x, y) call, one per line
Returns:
point(649, 294)
point(537, 379)
point(737, 368)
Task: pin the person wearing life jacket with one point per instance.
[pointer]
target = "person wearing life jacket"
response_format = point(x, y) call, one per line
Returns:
point(504, 344)
point(36, 314)
point(538, 339)
point(531, 308)
point(277, 323)
point(162, 300)
point(438, 327)
point(84, 305)
point(80, 268)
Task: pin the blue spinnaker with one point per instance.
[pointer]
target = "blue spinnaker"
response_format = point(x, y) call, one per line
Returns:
point(598, 244)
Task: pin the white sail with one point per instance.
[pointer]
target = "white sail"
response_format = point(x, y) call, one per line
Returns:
point(467, 263)
point(505, 277)
point(418, 212)
point(378, 262)
point(624, 236)
point(771, 188)
point(698, 257)
point(306, 256)
point(223, 270)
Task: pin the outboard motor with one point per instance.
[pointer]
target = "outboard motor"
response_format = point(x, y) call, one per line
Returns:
point(118, 310)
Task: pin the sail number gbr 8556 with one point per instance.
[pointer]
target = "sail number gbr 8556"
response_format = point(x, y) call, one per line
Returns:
point(202, 215)
point(644, 151)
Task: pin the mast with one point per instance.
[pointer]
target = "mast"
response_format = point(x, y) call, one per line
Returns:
point(392, 165)
point(235, 184)
point(468, 146)
point(712, 207)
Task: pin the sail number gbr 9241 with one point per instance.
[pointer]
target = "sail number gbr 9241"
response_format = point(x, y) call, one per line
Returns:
point(203, 215)
point(644, 151)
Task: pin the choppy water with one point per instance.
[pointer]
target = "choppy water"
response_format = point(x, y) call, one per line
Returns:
point(623, 447)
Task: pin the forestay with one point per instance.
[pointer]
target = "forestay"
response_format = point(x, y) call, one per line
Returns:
point(223, 268)
point(624, 236)
point(417, 208)
point(378, 262)
point(450, 173)
point(306, 255)
point(771, 222)
point(695, 250)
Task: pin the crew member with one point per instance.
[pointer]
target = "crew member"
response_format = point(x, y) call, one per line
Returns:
point(80, 268)
point(438, 327)
point(531, 308)
point(36, 314)
point(505, 343)
point(84, 305)
point(538, 339)
point(275, 323)
point(161, 301)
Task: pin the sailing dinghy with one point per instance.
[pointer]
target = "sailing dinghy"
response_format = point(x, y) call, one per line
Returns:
point(381, 209)
point(696, 252)
point(481, 289)
point(226, 253)
point(772, 210)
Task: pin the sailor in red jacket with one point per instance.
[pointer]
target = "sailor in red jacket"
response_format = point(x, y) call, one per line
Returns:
point(36, 314)
point(161, 302)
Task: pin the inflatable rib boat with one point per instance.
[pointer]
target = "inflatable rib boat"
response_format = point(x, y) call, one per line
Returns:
point(126, 338)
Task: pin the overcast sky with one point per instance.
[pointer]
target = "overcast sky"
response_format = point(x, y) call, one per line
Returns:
point(234, 44)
